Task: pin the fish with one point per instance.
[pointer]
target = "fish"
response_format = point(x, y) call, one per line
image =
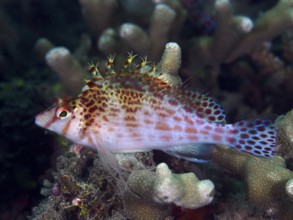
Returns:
point(145, 107)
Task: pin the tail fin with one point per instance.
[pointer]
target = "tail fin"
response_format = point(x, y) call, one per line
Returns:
point(256, 137)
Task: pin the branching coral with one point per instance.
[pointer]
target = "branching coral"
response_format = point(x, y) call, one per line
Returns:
point(268, 181)
point(121, 26)
point(94, 10)
point(170, 64)
point(150, 194)
point(285, 137)
point(162, 14)
point(185, 190)
point(67, 67)
point(153, 42)
point(138, 198)
point(235, 50)
point(236, 36)
point(273, 22)
point(229, 28)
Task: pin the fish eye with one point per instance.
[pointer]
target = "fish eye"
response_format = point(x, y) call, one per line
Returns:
point(63, 113)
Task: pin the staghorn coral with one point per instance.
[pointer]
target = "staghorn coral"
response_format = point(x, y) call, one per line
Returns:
point(268, 181)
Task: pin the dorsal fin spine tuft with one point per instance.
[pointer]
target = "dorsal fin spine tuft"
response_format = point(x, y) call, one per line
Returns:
point(110, 65)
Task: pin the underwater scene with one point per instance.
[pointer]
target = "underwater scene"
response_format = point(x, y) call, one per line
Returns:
point(146, 109)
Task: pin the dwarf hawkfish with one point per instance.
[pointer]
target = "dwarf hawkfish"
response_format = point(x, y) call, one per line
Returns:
point(142, 107)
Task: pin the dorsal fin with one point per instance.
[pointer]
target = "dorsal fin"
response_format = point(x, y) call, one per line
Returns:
point(110, 66)
point(129, 61)
point(166, 72)
point(205, 107)
point(94, 70)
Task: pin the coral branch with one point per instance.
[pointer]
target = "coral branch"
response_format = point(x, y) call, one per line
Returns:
point(107, 42)
point(170, 63)
point(162, 19)
point(97, 13)
point(285, 140)
point(149, 194)
point(135, 37)
point(267, 26)
point(268, 182)
point(67, 67)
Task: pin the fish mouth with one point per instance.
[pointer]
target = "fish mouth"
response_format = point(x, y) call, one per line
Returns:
point(39, 120)
point(44, 119)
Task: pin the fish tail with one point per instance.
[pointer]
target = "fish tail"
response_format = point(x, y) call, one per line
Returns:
point(256, 137)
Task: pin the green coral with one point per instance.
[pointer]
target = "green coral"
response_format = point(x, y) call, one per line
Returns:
point(268, 181)
point(138, 198)
point(285, 135)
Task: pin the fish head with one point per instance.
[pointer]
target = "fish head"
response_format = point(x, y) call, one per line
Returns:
point(63, 118)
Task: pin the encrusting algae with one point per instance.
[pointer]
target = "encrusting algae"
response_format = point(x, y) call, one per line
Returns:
point(142, 107)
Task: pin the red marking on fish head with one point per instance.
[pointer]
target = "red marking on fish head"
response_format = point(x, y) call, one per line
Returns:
point(57, 118)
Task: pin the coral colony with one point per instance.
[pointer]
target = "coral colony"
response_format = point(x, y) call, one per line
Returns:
point(132, 106)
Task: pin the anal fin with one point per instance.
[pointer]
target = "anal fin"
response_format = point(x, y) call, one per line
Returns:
point(199, 153)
